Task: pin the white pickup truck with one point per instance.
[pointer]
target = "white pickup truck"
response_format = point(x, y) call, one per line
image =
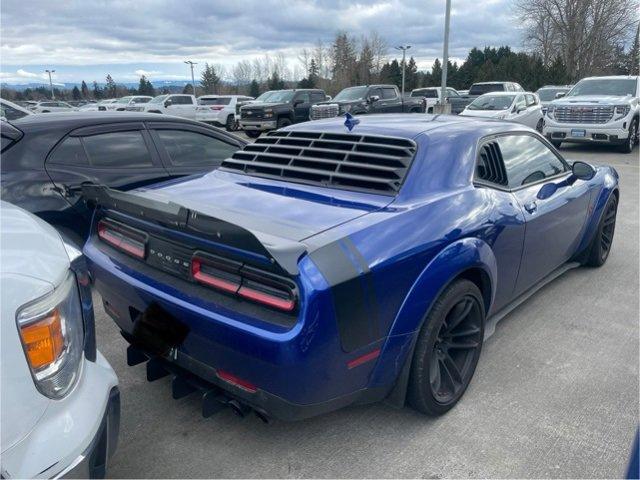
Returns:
point(596, 110)
point(179, 105)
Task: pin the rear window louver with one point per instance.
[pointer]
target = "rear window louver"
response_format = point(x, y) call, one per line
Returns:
point(490, 166)
point(350, 162)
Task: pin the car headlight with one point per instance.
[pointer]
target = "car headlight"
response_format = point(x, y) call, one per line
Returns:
point(550, 111)
point(622, 111)
point(52, 332)
point(268, 113)
point(346, 108)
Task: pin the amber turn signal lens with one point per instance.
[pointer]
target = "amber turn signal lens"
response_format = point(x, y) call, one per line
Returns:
point(43, 340)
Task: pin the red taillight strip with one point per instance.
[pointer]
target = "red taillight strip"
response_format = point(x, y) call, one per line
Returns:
point(121, 241)
point(216, 282)
point(280, 303)
point(238, 382)
point(367, 357)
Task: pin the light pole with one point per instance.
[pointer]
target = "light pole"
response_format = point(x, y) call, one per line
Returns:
point(193, 81)
point(53, 97)
point(404, 49)
point(445, 54)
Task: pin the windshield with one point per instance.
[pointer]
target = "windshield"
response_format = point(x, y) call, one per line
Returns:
point(215, 101)
point(492, 102)
point(277, 96)
point(548, 94)
point(599, 86)
point(481, 88)
point(353, 93)
point(123, 100)
point(158, 99)
point(425, 92)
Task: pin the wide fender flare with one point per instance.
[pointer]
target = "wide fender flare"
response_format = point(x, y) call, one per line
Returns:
point(452, 261)
point(609, 185)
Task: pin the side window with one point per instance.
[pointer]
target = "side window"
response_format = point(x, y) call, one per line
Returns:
point(10, 113)
point(389, 93)
point(69, 152)
point(117, 150)
point(531, 100)
point(304, 96)
point(317, 97)
point(375, 92)
point(452, 93)
point(520, 102)
point(527, 159)
point(489, 166)
point(187, 148)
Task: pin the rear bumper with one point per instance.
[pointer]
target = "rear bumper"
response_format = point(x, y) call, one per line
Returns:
point(258, 125)
point(219, 118)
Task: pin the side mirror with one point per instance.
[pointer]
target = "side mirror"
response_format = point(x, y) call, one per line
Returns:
point(298, 102)
point(560, 94)
point(374, 98)
point(167, 103)
point(582, 171)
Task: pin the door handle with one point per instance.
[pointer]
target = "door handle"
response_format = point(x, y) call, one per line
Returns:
point(531, 207)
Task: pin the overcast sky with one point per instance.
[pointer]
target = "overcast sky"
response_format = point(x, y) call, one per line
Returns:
point(86, 39)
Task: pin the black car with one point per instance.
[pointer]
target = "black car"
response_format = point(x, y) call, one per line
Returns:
point(47, 158)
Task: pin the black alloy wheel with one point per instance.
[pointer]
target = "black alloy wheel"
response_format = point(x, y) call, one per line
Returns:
point(231, 123)
point(603, 240)
point(539, 126)
point(447, 349)
point(627, 147)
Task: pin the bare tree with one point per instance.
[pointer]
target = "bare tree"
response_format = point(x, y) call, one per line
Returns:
point(304, 57)
point(582, 32)
point(379, 48)
point(241, 74)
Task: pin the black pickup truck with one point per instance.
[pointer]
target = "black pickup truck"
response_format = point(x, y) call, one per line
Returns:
point(368, 99)
point(277, 109)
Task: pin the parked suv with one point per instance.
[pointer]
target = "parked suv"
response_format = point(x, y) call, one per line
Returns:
point(52, 106)
point(599, 110)
point(219, 110)
point(368, 99)
point(179, 105)
point(60, 411)
point(277, 109)
point(480, 88)
point(549, 93)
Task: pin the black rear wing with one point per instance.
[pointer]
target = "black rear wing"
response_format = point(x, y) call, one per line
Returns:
point(281, 253)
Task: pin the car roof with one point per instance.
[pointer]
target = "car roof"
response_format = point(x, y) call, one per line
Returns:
point(411, 125)
point(612, 77)
point(72, 120)
point(502, 94)
point(491, 83)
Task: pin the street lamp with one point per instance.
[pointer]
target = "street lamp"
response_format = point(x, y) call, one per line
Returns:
point(404, 49)
point(193, 81)
point(53, 97)
point(445, 55)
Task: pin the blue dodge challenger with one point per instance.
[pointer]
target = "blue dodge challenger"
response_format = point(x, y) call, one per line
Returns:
point(333, 263)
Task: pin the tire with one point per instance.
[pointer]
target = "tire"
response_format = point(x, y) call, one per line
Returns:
point(46, 111)
point(231, 123)
point(603, 239)
point(252, 133)
point(556, 144)
point(446, 356)
point(539, 126)
point(627, 147)
point(283, 122)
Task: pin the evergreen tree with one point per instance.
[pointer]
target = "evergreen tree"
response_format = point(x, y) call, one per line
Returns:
point(275, 83)
point(411, 75)
point(209, 80)
point(254, 89)
point(84, 90)
point(145, 87)
point(110, 88)
point(97, 91)
point(76, 93)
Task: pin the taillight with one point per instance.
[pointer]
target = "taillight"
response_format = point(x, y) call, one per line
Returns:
point(216, 107)
point(237, 381)
point(123, 238)
point(246, 282)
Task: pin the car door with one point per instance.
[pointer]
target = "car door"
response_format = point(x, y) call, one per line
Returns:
point(553, 203)
point(519, 110)
point(117, 155)
point(534, 111)
point(301, 105)
point(391, 100)
point(188, 149)
point(377, 106)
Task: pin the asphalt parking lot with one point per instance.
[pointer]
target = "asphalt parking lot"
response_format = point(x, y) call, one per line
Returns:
point(555, 395)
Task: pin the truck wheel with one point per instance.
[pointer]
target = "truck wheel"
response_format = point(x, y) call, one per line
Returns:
point(447, 350)
point(603, 239)
point(253, 133)
point(231, 123)
point(283, 122)
point(627, 147)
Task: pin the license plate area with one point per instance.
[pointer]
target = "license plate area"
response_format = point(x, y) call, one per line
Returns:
point(578, 133)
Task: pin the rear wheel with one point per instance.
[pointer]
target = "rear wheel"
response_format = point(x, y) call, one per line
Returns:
point(603, 239)
point(447, 349)
point(539, 126)
point(252, 133)
point(627, 147)
point(231, 123)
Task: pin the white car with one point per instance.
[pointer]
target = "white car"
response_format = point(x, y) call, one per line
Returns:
point(219, 110)
point(11, 111)
point(597, 110)
point(52, 106)
point(515, 107)
point(60, 401)
point(180, 105)
point(129, 102)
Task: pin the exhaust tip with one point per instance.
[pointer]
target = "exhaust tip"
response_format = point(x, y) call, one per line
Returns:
point(238, 408)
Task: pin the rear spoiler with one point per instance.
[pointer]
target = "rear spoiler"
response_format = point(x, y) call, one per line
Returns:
point(279, 252)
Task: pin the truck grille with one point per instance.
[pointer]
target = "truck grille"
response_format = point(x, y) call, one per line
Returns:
point(583, 114)
point(367, 163)
point(324, 111)
point(251, 114)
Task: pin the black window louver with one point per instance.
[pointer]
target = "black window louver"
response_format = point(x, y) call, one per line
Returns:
point(490, 166)
point(347, 161)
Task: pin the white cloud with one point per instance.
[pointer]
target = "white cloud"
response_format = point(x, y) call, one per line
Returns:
point(147, 73)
